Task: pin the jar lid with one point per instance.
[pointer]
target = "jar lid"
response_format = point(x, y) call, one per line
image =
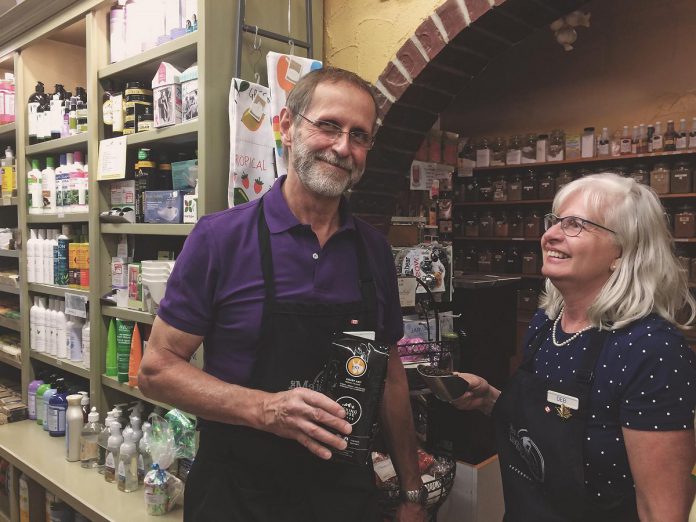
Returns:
point(683, 164)
point(543, 136)
point(136, 84)
point(589, 129)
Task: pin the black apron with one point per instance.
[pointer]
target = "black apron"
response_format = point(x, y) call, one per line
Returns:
point(540, 446)
point(246, 475)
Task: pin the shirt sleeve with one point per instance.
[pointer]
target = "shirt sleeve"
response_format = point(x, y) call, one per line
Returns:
point(188, 302)
point(659, 381)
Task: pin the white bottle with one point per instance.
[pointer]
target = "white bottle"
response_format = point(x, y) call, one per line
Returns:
point(38, 258)
point(34, 188)
point(135, 426)
point(144, 453)
point(31, 256)
point(61, 342)
point(83, 189)
point(41, 326)
point(73, 427)
point(75, 333)
point(54, 253)
point(69, 323)
point(85, 345)
point(112, 451)
point(76, 176)
point(61, 172)
point(48, 186)
point(127, 474)
point(89, 446)
point(69, 167)
point(103, 440)
point(51, 327)
point(33, 322)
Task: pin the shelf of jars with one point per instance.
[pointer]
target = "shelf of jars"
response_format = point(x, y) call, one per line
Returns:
point(67, 144)
point(7, 130)
point(502, 239)
point(128, 314)
point(181, 133)
point(69, 366)
point(75, 217)
point(56, 290)
point(153, 229)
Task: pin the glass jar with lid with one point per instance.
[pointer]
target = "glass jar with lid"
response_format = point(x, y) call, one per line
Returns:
point(471, 189)
point(530, 262)
point(486, 224)
point(485, 189)
point(514, 150)
point(471, 224)
point(498, 151)
point(498, 259)
point(483, 153)
point(500, 188)
point(685, 262)
point(529, 149)
point(501, 224)
point(659, 178)
point(640, 173)
point(530, 186)
point(565, 176)
point(470, 259)
point(685, 222)
point(514, 187)
point(532, 224)
point(450, 143)
point(484, 260)
point(516, 224)
point(556, 145)
point(680, 178)
point(547, 185)
point(513, 261)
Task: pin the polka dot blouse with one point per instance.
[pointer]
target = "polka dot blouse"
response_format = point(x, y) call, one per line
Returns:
point(645, 379)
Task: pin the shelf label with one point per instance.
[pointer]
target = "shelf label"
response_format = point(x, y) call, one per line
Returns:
point(76, 305)
point(112, 159)
point(407, 291)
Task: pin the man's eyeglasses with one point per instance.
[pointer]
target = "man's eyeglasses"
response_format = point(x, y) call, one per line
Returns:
point(334, 132)
point(571, 225)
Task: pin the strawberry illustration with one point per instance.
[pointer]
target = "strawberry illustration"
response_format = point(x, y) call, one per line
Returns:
point(258, 185)
point(245, 180)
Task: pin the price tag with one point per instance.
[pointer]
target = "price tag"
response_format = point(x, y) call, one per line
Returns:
point(407, 291)
point(112, 159)
point(76, 305)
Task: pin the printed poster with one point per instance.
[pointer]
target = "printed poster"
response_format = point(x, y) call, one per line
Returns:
point(423, 173)
point(284, 71)
point(251, 152)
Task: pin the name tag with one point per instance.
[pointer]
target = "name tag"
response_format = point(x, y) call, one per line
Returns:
point(562, 399)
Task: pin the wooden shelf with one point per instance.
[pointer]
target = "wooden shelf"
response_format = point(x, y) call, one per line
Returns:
point(67, 144)
point(685, 239)
point(69, 366)
point(29, 448)
point(8, 201)
point(7, 289)
point(496, 203)
point(498, 274)
point(181, 53)
point(128, 314)
point(6, 358)
point(153, 229)
point(11, 324)
point(173, 135)
point(59, 291)
point(7, 131)
point(510, 239)
point(52, 219)
point(9, 253)
point(583, 161)
point(112, 382)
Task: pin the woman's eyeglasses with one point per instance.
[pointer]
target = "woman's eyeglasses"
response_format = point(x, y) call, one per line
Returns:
point(571, 225)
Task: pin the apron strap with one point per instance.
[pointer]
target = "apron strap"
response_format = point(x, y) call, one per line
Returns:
point(368, 289)
point(266, 255)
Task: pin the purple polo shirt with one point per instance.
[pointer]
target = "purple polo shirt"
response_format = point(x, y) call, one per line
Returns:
point(216, 288)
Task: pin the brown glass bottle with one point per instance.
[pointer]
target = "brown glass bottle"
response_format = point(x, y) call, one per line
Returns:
point(516, 224)
point(514, 187)
point(530, 187)
point(547, 185)
point(486, 224)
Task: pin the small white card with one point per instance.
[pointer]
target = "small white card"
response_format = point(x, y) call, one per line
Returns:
point(384, 468)
point(562, 399)
point(112, 158)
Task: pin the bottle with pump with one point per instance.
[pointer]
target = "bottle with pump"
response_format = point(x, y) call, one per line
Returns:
point(127, 475)
point(57, 407)
point(112, 452)
point(73, 427)
point(48, 394)
point(84, 405)
point(89, 443)
point(34, 188)
point(657, 141)
point(103, 441)
point(35, 101)
point(144, 453)
point(56, 111)
point(135, 426)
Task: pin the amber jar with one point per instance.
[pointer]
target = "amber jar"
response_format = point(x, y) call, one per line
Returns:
point(641, 174)
point(532, 224)
point(513, 261)
point(516, 224)
point(514, 187)
point(680, 178)
point(500, 188)
point(501, 225)
point(498, 261)
point(486, 224)
point(484, 260)
point(498, 151)
point(470, 259)
point(530, 187)
point(530, 262)
point(685, 222)
point(471, 225)
point(659, 178)
point(485, 189)
point(547, 185)
point(564, 177)
point(471, 189)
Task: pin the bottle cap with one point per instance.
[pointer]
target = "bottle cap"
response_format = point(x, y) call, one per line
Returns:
point(93, 415)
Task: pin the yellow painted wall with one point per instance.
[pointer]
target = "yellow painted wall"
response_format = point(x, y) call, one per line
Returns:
point(363, 35)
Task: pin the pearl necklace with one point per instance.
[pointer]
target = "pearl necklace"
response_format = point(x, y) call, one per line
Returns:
point(571, 338)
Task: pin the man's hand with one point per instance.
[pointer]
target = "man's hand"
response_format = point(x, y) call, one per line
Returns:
point(304, 415)
point(480, 395)
point(410, 512)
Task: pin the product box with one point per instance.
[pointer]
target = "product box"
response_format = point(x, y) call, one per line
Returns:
point(166, 93)
point(164, 206)
point(119, 273)
point(184, 174)
point(135, 287)
point(123, 193)
point(189, 93)
point(190, 208)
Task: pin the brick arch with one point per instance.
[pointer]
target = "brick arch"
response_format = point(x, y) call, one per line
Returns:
point(443, 56)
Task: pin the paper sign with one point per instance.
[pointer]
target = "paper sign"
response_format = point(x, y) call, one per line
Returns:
point(112, 159)
point(423, 173)
point(76, 305)
point(407, 291)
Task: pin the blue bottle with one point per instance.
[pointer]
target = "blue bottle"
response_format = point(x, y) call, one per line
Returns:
point(46, 398)
point(57, 406)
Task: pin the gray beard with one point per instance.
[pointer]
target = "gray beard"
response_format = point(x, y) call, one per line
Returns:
point(309, 170)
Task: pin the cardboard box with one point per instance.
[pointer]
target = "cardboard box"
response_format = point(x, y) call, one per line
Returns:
point(184, 174)
point(123, 193)
point(119, 273)
point(166, 94)
point(190, 208)
point(135, 287)
point(189, 93)
point(164, 206)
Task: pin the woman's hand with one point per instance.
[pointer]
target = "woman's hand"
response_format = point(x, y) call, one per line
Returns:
point(480, 395)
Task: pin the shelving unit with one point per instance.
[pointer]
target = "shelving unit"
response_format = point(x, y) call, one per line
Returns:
point(58, 291)
point(62, 364)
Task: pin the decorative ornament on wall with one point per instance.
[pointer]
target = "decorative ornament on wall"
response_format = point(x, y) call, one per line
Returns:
point(564, 28)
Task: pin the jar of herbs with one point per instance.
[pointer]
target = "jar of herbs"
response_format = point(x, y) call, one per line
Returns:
point(680, 178)
point(470, 259)
point(659, 178)
point(532, 224)
point(514, 187)
point(498, 151)
point(514, 150)
point(500, 188)
point(529, 149)
point(685, 222)
point(641, 174)
point(556, 145)
point(565, 176)
point(498, 261)
point(530, 187)
point(516, 224)
point(471, 189)
point(530, 262)
point(484, 260)
point(485, 189)
point(471, 224)
point(486, 224)
point(547, 185)
point(513, 261)
point(502, 228)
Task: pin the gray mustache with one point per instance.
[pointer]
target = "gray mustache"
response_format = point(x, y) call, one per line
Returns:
point(334, 160)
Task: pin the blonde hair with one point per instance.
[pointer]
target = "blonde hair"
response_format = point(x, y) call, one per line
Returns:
point(649, 278)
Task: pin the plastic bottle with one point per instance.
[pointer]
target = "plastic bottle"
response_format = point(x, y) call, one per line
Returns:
point(85, 345)
point(144, 453)
point(33, 322)
point(50, 392)
point(84, 405)
point(75, 333)
point(23, 498)
point(47, 257)
point(39, 399)
point(9, 182)
point(73, 427)
point(35, 100)
point(43, 130)
point(31, 256)
point(48, 186)
point(57, 406)
point(127, 476)
point(103, 441)
point(111, 364)
point(136, 354)
point(50, 328)
point(135, 426)
point(657, 139)
point(34, 190)
point(89, 444)
point(31, 397)
point(40, 326)
point(76, 177)
point(124, 333)
point(61, 275)
point(112, 452)
point(61, 332)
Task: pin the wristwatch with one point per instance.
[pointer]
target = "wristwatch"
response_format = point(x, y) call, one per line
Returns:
point(417, 496)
